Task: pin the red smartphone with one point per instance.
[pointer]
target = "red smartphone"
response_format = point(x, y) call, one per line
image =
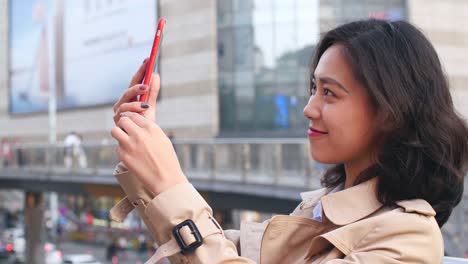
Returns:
point(152, 63)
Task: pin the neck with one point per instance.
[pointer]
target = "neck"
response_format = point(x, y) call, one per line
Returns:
point(351, 177)
point(354, 169)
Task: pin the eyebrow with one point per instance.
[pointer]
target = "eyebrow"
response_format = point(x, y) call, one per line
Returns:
point(330, 80)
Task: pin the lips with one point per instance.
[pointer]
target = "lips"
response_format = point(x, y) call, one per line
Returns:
point(313, 132)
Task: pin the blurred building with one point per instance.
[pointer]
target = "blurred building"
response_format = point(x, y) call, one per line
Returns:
point(229, 68)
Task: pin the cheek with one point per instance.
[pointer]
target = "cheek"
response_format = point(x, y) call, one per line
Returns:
point(359, 123)
point(350, 135)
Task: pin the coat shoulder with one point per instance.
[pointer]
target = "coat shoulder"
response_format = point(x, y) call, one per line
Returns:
point(413, 217)
point(408, 234)
point(409, 222)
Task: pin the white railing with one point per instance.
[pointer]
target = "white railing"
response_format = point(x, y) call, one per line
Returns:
point(282, 162)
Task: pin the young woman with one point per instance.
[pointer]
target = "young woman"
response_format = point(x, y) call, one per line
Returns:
point(379, 108)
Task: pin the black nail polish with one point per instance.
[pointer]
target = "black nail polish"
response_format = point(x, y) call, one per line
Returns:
point(144, 105)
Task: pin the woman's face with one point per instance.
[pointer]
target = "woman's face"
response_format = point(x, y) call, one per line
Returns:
point(342, 127)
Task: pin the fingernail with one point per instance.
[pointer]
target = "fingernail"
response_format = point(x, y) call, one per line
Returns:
point(143, 87)
point(145, 60)
point(144, 105)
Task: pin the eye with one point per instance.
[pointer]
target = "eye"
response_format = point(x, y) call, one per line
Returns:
point(328, 92)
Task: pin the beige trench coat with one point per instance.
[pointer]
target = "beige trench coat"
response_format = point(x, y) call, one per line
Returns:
point(356, 228)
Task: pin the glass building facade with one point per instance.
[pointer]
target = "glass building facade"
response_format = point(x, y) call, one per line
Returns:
point(264, 53)
point(264, 48)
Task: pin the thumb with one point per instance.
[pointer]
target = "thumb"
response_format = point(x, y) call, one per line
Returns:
point(154, 89)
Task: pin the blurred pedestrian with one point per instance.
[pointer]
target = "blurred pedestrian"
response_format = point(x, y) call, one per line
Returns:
point(123, 247)
point(111, 251)
point(19, 153)
point(71, 149)
point(59, 231)
point(6, 156)
point(74, 151)
point(82, 159)
point(142, 247)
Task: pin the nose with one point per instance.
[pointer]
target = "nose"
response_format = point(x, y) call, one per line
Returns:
point(312, 110)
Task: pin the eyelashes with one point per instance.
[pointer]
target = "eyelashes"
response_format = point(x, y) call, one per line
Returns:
point(312, 88)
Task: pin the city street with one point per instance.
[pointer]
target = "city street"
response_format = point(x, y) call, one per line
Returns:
point(99, 252)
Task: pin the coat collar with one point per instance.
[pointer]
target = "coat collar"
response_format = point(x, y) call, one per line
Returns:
point(355, 203)
point(352, 204)
point(419, 206)
point(313, 195)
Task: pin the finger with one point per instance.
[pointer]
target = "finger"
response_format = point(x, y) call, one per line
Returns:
point(155, 85)
point(120, 135)
point(130, 107)
point(138, 119)
point(122, 154)
point(130, 94)
point(140, 74)
point(128, 125)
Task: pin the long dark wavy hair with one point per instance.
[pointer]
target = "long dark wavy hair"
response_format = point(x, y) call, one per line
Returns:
point(425, 148)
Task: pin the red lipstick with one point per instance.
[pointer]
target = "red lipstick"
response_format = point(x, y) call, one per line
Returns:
point(312, 132)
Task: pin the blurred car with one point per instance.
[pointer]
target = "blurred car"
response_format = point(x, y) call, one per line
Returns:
point(7, 255)
point(13, 244)
point(80, 259)
point(52, 254)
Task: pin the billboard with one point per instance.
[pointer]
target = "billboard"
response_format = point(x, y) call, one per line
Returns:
point(86, 50)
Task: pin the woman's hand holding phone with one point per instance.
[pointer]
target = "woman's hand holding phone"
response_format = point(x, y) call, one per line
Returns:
point(143, 147)
point(128, 102)
point(141, 97)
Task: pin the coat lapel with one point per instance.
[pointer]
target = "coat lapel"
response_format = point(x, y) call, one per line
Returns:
point(352, 204)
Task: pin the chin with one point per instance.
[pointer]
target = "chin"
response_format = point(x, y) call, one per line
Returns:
point(323, 158)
